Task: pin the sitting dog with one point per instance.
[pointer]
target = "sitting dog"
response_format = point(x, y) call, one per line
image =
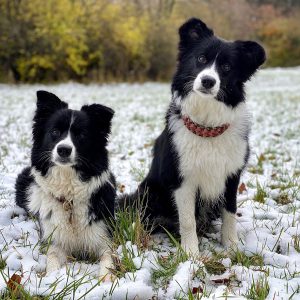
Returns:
point(69, 186)
point(201, 153)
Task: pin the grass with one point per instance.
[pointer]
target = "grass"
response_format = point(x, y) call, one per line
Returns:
point(258, 169)
point(2, 263)
point(129, 225)
point(259, 290)
point(213, 266)
point(16, 291)
point(275, 171)
point(168, 264)
point(239, 257)
point(138, 172)
point(260, 193)
point(296, 240)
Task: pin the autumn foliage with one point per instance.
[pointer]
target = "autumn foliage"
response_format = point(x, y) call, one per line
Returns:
point(111, 40)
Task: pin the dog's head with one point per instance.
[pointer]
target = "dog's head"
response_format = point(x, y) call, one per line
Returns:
point(70, 138)
point(212, 67)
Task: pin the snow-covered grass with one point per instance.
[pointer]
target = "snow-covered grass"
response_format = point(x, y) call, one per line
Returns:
point(267, 263)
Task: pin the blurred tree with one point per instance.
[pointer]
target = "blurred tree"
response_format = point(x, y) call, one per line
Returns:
point(282, 36)
point(104, 40)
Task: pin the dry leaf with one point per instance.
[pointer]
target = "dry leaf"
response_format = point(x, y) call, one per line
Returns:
point(242, 188)
point(14, 282)
point(197, 290)
point(221, 280)
point(122, 188)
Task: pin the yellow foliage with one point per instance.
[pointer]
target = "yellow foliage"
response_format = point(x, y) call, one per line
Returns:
point(127, 40)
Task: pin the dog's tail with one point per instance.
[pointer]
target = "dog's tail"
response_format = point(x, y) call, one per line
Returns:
point(137, 199)
point(142, 200)
point(23, 182)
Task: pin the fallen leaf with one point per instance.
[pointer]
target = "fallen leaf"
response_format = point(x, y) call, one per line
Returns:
point(14, 282)
point(122, 188)
point(242, 188)
point(221, 280)
point(197, 290)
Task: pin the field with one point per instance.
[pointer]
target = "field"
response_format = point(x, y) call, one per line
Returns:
point(267, 264)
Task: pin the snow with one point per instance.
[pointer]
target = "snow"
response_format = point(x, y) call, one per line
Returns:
point(267, 229)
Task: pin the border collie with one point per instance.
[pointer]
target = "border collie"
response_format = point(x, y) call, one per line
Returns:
point(69, 186)
point(199, 156)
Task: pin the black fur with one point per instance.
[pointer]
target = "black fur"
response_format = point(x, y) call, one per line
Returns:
point(89, 132)
point(164, 177)
point(102, 201)
point(24, 180)
point(244, 57)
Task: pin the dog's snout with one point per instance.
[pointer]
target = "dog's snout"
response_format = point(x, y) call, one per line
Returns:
point(208, 82)
point(64, 151)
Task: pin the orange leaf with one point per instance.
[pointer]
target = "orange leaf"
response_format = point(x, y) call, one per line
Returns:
point(221, 280)
point(197, 290)
point(242, 188)
point(122, 188)
point(14, 282)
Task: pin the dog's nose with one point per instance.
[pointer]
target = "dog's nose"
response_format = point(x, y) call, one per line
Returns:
point(208, 82)
point(64, 151)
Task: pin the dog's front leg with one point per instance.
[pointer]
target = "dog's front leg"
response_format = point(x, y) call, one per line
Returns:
point(106, 264)
point(56, 257)
point(185, 201)
point(229, 233)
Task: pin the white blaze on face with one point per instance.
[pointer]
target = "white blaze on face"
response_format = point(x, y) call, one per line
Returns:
point(65, 143)
point(209, 72)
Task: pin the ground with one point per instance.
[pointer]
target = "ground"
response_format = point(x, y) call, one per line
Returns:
point(267, 262)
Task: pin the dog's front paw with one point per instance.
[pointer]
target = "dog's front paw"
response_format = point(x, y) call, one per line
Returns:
point(190, 246)
point(109, 277)
point(229, 239)
point(52, 266)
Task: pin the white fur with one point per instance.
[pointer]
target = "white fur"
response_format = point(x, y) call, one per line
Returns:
point(185, 201)
point(67, 237)
point(66, 142)
point(205, 163)
point(228, 235)
point(211, 72)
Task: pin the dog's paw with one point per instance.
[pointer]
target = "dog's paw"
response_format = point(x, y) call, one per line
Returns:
point(52, 267)
point(229, 240)
point(190, 246)
point(109, 277)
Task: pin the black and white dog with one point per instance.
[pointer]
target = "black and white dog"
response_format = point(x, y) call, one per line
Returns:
point(199, 157)
point(69, 186)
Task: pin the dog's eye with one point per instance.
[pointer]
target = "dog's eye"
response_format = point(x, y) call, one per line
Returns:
point(226, 67)
point(81, 135)
point(55, 133)
point(202, 59)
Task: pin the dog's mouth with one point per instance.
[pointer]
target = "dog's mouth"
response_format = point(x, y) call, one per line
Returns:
point(204, 92)
point(66, 162)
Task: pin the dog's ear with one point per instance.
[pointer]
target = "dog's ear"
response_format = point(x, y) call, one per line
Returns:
point(100, 116)
point(192, 31)
point(47, 103)
point(251, 57)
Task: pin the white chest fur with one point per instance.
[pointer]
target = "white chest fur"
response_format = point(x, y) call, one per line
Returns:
point(70, 233)
point(205, 163)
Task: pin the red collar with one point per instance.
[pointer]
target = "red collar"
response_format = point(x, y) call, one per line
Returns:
point(202, 130)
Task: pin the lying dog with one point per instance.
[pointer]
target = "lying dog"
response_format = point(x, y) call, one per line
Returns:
point(69, 186)
point(199, 157)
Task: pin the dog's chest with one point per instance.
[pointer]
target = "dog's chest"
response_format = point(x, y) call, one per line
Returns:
point(62, 202)
point(205, 163)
